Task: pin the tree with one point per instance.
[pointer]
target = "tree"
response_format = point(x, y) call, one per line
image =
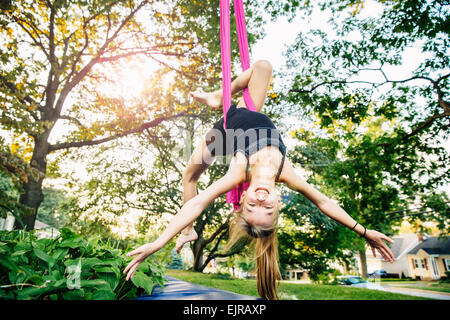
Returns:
point(309, 239)
point(56, 55)
point(357, 180)
point(13, 172)
point(330, 73)
point(379, 133)
point(176, 263)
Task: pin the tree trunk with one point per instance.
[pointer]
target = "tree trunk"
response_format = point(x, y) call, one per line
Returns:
point(33, 196)
point(197, 250)
point(345, 267)
point(363, 263)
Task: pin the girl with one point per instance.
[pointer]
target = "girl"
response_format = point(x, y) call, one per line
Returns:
point(258, 159)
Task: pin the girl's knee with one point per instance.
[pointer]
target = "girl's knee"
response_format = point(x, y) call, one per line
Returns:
point(263, 65)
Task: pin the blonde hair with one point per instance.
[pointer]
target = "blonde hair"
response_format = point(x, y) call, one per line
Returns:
point(266, 251)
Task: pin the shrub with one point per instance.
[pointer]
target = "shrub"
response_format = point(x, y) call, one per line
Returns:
point(446, 278)
point(222, 276)
point(69, 267)
point(176, 263)
point(323, 278)
point(327, 277)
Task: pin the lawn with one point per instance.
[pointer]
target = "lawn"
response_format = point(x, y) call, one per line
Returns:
point(288, 291)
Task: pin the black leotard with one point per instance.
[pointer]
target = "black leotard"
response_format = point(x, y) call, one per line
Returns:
point(247, 132)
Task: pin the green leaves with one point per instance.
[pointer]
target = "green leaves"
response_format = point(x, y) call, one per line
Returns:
point(45, 257)
point(142, 281)
point(69, 267)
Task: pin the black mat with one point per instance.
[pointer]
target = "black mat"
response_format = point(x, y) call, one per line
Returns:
point(181, 290)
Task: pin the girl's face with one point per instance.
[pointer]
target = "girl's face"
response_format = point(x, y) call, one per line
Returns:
point(260, 203)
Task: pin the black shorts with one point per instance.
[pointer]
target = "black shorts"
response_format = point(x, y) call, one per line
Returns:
point(247, 132)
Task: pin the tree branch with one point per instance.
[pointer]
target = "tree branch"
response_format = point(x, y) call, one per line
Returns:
point(144, 126)
point(22, 100)
point(212, 255)
point(426, 124)
point(78, 122)
point(441, 102)
point(85, 23)
point(162, 153)
point(176, 70)
point(218, 231)
point(37, 42)
point(84, 71)
point(330, 83)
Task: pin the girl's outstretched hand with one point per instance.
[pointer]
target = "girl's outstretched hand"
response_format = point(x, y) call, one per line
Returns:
point(377, 240)
point(140, 254)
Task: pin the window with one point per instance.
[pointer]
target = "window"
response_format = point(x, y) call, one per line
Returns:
point(419, 263)
point(447, 264)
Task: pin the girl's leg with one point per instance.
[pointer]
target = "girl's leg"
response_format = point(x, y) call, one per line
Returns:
point(258, 84)
point(256, 78)
point(200, 160)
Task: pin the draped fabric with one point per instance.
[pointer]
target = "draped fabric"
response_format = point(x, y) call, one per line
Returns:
point(233, 196)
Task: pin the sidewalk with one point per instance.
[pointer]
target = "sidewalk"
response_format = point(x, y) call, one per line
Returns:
point(417, 292)
point(182, 290)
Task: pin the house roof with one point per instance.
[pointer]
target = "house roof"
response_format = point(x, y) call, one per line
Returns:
point(433, 245)
point(40, 225)
point(402, 243)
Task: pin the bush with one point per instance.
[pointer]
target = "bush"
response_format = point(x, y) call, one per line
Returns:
point(446, 278)
point(69, 267)
point(222, 276)
point(323, 279)
point(328, 277)
point(176, 263)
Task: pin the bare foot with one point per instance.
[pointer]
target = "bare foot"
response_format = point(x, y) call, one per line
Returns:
point(212, 99)
point(185, 237)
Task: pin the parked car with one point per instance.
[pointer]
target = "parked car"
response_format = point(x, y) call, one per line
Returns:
point(358, 282)
point(378, 274)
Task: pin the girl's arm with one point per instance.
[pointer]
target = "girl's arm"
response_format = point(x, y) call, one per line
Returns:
point(335, 212)
point(187, 215)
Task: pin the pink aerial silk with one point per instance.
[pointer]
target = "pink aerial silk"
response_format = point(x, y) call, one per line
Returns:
point(233, 196)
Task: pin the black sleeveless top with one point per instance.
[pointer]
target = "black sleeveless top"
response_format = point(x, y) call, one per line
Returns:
point(247, 132)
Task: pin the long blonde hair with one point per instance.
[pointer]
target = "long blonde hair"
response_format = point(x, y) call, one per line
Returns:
point(266, 251)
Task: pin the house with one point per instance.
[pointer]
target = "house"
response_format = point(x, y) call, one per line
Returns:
point(402, 245)
point(297, 274)
point(7, 223)
point(430, 259)
point(42, 230)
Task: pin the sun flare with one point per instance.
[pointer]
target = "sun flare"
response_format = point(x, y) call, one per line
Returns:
point(127, 81)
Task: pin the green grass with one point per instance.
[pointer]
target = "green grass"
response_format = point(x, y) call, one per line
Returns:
point(287, 291)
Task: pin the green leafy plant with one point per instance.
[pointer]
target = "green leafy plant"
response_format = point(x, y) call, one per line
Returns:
point(69, 267)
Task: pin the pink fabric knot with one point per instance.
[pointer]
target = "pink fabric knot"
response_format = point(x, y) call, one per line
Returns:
point(234, 196)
